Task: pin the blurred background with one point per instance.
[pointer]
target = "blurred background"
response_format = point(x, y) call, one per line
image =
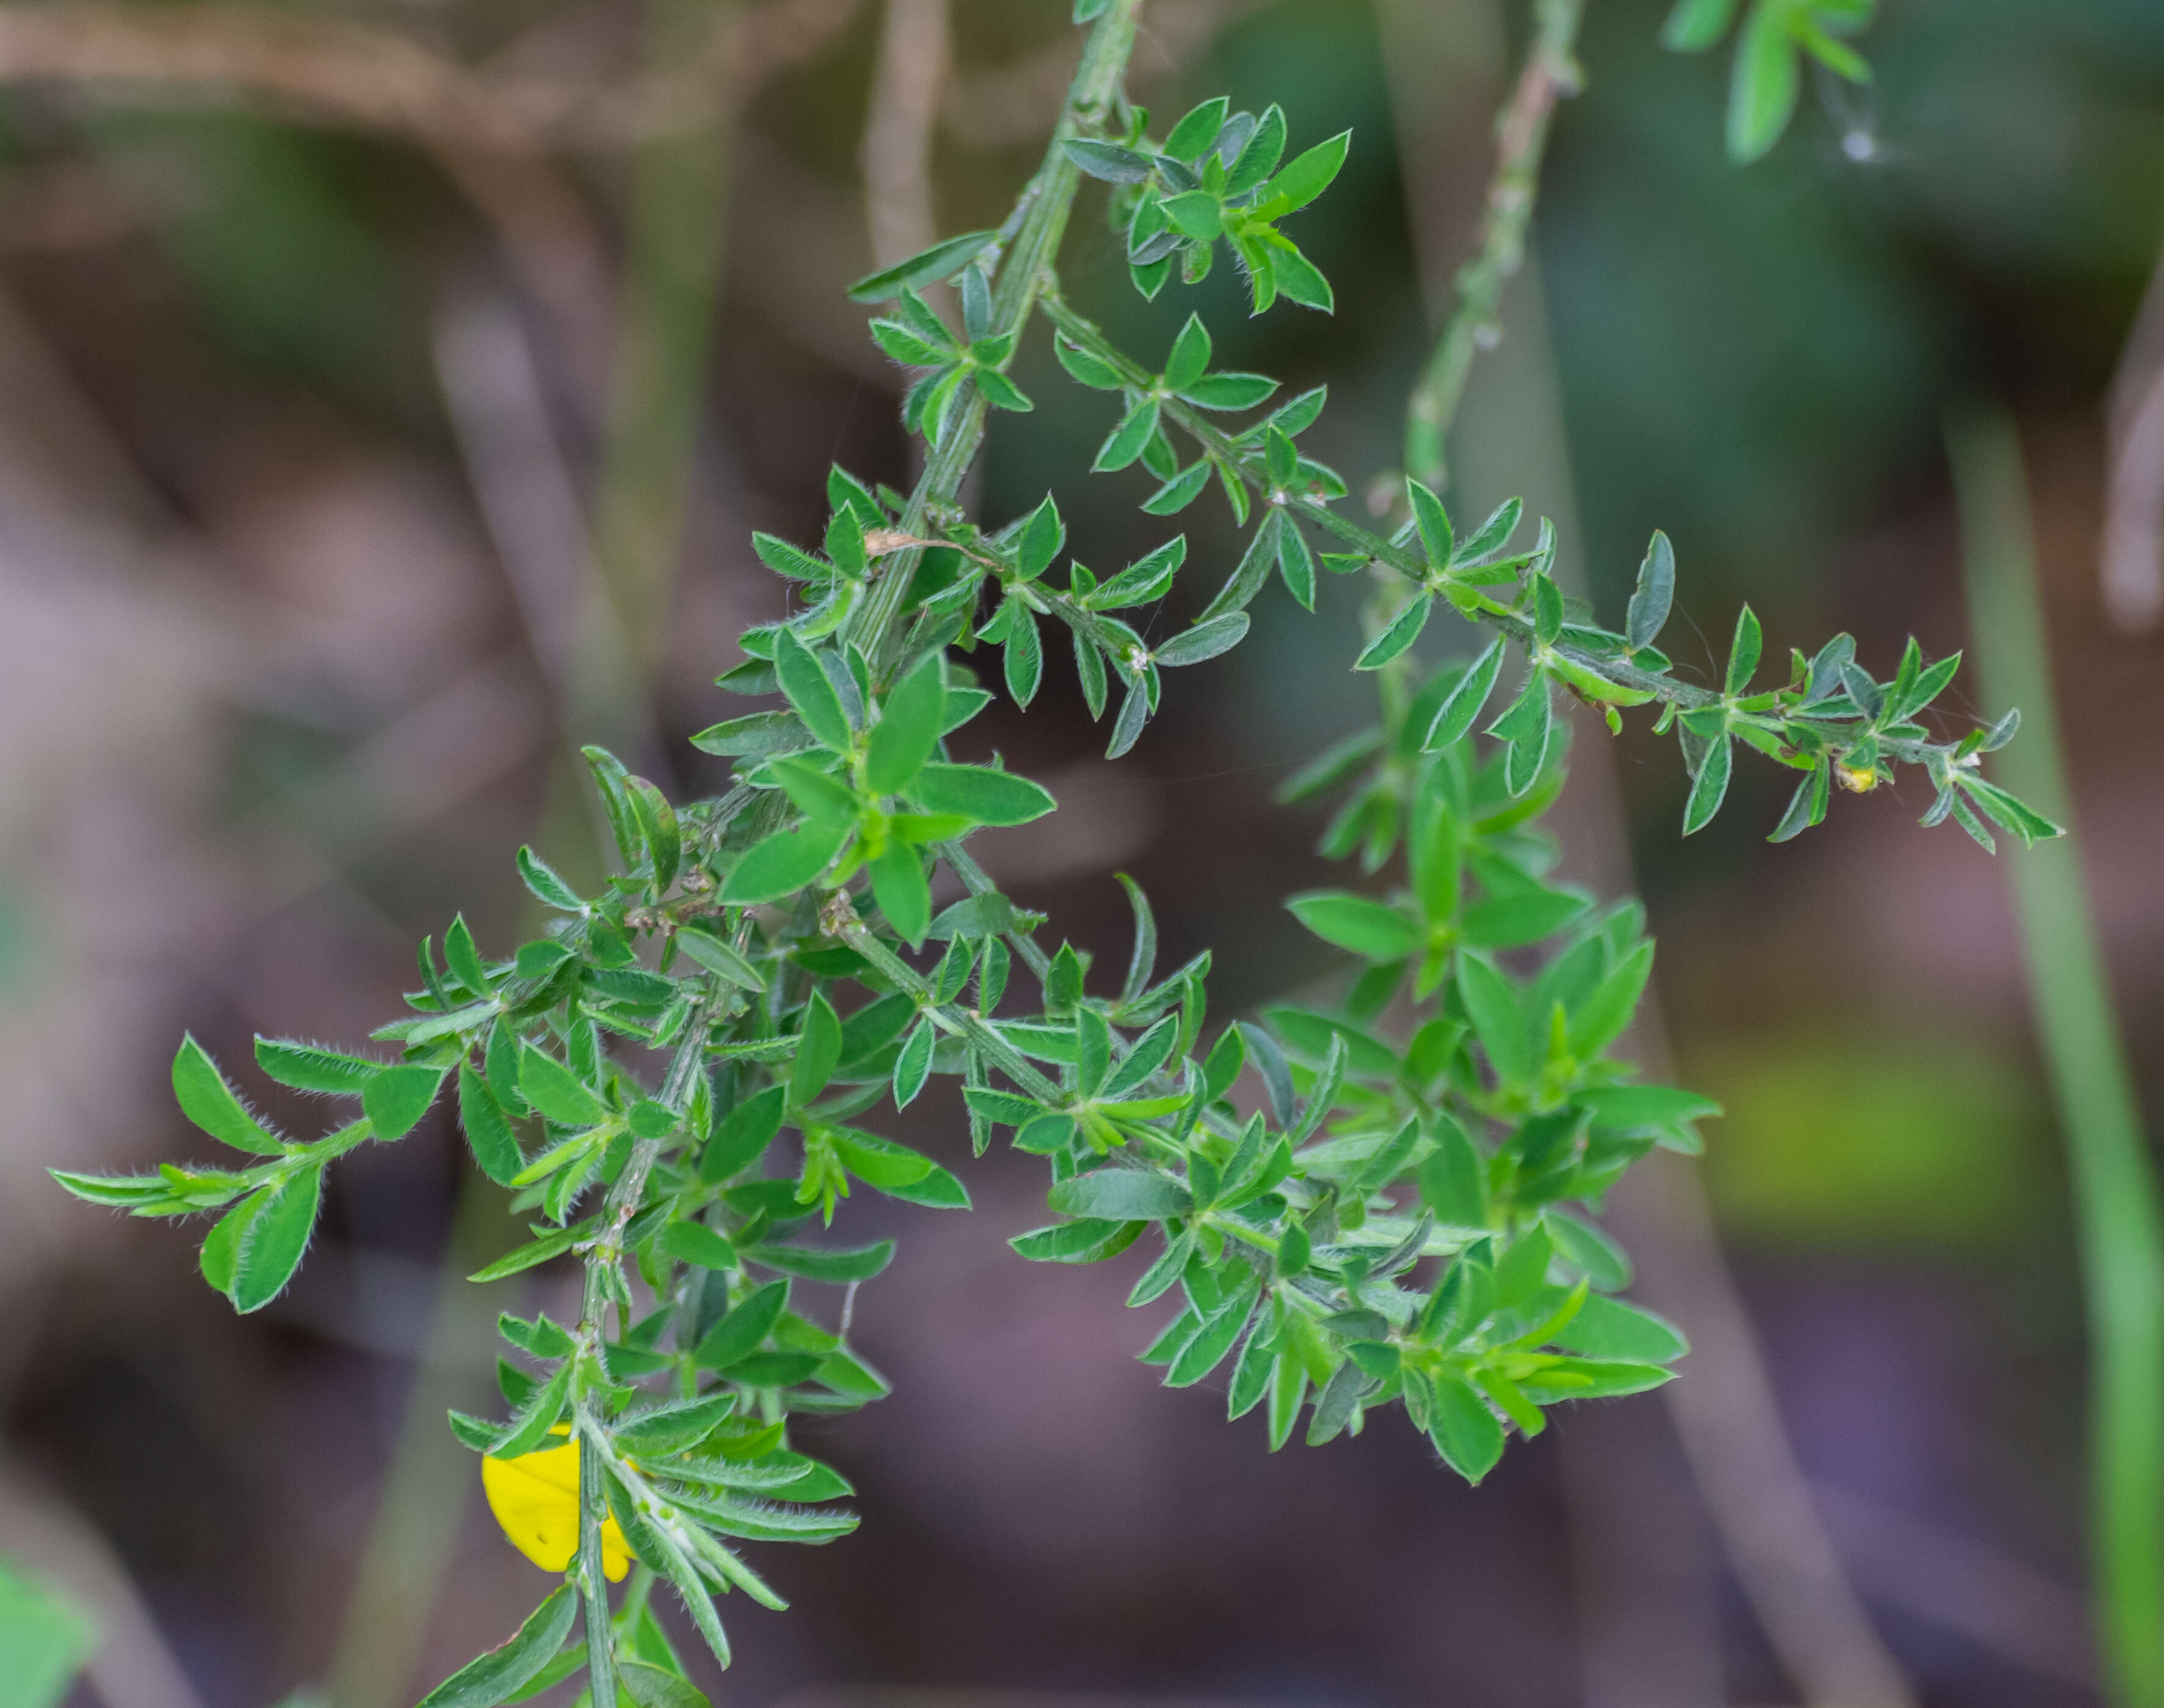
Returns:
point(388, 390)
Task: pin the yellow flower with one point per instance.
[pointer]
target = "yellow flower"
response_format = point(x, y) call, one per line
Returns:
point(535, 1498)
point(1857, 779)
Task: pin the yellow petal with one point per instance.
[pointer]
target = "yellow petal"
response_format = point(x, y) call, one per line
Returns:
point(535, 1498)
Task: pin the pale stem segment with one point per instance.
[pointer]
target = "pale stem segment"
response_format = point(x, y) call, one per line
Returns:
point(1551, 72)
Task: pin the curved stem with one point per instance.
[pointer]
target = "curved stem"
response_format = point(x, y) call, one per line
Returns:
point(1049, 198)
point(2115, 1188)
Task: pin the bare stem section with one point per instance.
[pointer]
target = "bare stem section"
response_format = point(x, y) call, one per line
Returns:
point(1551, 72)
point(2122, 1231)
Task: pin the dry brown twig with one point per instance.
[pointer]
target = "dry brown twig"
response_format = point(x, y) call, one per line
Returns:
point(897, 153)
point(1016, 104)
point(2133, 557)
point(331, 70)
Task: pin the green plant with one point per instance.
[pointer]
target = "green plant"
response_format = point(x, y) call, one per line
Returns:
point(1404, 1218)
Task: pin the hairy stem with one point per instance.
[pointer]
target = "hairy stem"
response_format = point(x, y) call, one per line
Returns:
point(1049, 198)
point(1551, 72)
point(606, 1254)
point(2121, 1229)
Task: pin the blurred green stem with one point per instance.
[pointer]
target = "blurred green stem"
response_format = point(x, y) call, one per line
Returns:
point(1521, 135)
point(665, 337)
point(2121, 1233)
point(428, 1487)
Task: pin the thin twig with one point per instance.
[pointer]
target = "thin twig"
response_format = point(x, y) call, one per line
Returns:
point(1551, 72)
point(132, 1666)
point(1019, 102)
point(2133, 557)
point(356, 75)
point(664, 335)
point(2117, 1211)
point(530, 504)
point(895, 155)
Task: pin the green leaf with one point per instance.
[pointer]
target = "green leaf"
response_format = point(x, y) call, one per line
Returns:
point(1023, 655)
point(1198, 130)
point(272, 1243)
point(556, 1092)
point(1404, 630)
point(1696, 25)
point(396, 1098)
point(1042, 537)
point(1306, 177)
point(1586, 1379)
point(1624, 1108)
point(1301, 280)
point(538, 1252)
point(1606, 1013)
point(899, 886)
point(1206, 640)
point(1170, 499)
point(1510, 921)
point(1464, 1431)
point(1498, 1020)
point(206, 1099)
point(306, 1068)
point(743, 1330)
point(1196, 214)
point(488, 1132)
point(696, 1243)
point(650, 1687)
point(1353, 922)
point(838, 1267)
point(1228, 391)
point(809, 690)
point(43, 1641)
point(1001, 392)
point(818, 1051)
point(1098, 374)
point(1648, 611)
point(539, 877)
point(1127, 441)
point(492, 1678)
point(1709, 787)
point(1211, 1341)
point(1110, 161)
point(657, 820)
point(1761, 95)
point(913, 1066)
point(1465, 701)
point(1145, 578)
point(220, 1258)
point(1452, 1178)
point(1489, 538)
point(978, 793)
point(1610, 1329)
point(1086, 1241)
point(1743, 652)
point(1191, 354)
point(718, 957)
point(1432, 521)
point(1260, 157)
point(783, 864)
point(942, 260)
point(1120, 1195)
